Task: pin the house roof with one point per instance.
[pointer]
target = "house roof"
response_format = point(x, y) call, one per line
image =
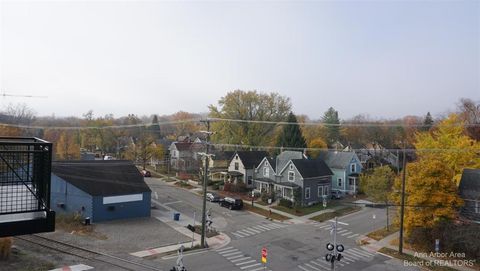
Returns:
point(469, 187)
point(103, 177)
point(284, 157)
point(251, 159)
point(223, 155)
point(336, 159)
point(312, 168)
point(183, 146)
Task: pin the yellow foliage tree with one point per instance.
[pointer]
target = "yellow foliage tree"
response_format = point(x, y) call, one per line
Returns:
point(431, 181)
point(317, 144)
point(67, 147)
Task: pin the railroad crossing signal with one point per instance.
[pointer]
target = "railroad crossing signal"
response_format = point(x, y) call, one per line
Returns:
point(264, 255)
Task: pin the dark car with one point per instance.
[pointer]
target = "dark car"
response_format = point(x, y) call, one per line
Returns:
point(337, 194)
point(232, 204)
point(213, 197)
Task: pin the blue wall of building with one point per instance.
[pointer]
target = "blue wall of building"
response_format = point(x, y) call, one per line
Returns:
point(122, 210)
point(74, 199)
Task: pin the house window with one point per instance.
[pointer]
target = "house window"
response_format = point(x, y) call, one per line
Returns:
point(307, 193)
point(351, 181)
point(266, 172)
point(320, 191)
point(236, 165)
point(291, 176)
point(339, 182)
point(353, 167)
point(326, 191)
point(291, 166)
point(249, 180)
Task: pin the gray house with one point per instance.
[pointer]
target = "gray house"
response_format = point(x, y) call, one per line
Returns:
point(102, 190)
point(312, 177)
point(469, 190)
point(346, 168)
point(266, 174)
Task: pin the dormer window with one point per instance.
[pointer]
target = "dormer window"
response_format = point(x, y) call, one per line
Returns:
point(353, 167)
point(291, 166)
point(266, 172)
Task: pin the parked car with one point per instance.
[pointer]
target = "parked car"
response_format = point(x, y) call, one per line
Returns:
point(231, 203)
point(337, 194)
point(213, 197)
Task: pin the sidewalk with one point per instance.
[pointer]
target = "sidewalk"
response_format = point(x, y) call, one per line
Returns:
point(385, 242)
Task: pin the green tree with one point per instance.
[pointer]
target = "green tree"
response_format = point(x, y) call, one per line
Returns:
point(248, 106)
point(333, 129)
point(378, 185)
point(316, 146)
point(154, 128)
point(291, 135)
point(427, 122)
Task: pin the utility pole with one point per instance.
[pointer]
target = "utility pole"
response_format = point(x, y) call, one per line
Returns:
point(402, 210)
point(205, 181)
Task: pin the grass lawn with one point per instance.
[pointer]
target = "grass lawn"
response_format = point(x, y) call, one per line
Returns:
point(301, 211)
point(184, 184)
point(337, 213)
point(382, 233)
point(412, 259)
point(264, 213)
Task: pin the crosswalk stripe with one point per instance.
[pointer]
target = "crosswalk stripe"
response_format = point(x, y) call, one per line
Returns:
point(353, 235)
point(277, 226)
point(368, 254)
point(258, 269)
point(234, 257)
point(263, 227)
point(342, 231)
point(249, 232)
point(303, 268)
point(269, 226)
point(227, 251)
point(236, 260)
point(252, 229)
point(248, 266)
point(347, 233)
point(244, 232)
point(231, 254)
point(324, 226)
point(313, 267)
point(247, 262)
point(224, 248)
point(349, 258)
point(357, 254)
point(320, 265)
point(238, 234)
point(258, 228)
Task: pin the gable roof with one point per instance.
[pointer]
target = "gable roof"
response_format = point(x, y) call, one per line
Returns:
point(251, 159)
point(182, 146)
point(284, 157)
point(223, 155)
point(103, 177)
point(312, 168)
point(469, 187)
point(336, 159)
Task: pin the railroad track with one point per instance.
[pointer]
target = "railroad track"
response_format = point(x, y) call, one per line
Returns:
point(87, 254)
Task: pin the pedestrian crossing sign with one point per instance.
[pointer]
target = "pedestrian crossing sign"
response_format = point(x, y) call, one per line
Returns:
point(264, 259)
point(264, 255)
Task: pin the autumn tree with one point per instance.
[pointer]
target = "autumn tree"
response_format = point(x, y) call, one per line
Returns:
point(67, 148)
point(144, 149)
point(378, 185)
point(432, 180)
point(246, 107)
point(315, 147)
point(185, 123)
point(330, 118)
point(470, 113)
point(291, 135)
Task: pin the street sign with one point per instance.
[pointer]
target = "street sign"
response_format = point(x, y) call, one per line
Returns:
point(264, 255)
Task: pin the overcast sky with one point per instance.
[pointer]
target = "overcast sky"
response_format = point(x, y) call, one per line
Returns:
point(382, 58)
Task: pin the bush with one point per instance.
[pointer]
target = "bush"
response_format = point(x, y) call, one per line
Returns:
point(5, 248)
point(215, 186)
point(285, 203)
point(265, 196)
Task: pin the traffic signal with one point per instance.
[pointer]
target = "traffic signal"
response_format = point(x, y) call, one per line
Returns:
point(330, 246)
point(340, 248)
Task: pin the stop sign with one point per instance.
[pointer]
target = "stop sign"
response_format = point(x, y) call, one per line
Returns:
point(264, 253)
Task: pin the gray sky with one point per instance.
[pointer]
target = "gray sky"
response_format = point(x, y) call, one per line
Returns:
point(382, 58)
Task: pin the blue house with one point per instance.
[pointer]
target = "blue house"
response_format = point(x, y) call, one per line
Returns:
point(346, 168)
point(101, 190)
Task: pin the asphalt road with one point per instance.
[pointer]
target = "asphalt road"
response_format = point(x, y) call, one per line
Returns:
point(290, 246)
